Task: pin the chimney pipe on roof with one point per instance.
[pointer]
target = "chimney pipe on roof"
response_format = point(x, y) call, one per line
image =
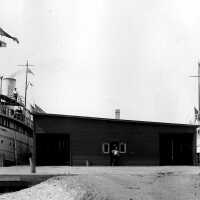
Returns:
point(117, 113)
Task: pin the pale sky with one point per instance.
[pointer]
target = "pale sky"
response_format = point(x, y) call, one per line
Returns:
point(93, 56)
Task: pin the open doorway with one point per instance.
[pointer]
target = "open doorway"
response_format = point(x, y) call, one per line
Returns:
point(53, 149)
point(176, 149)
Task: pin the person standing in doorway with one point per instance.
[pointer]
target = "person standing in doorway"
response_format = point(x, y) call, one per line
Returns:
point(114, 156)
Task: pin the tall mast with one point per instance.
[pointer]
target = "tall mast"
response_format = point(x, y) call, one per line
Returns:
point(198, 112)
point(27, 65)
point(1, 78)
point(26, 83)
point(199, 85)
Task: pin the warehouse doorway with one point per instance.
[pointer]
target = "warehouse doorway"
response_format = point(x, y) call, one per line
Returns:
point(176, 149)
point(53, 149)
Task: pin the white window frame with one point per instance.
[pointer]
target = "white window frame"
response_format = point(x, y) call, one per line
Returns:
point(120, 149)
point(103, 148)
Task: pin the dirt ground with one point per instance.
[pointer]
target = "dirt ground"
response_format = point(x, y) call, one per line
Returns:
point(114, 183)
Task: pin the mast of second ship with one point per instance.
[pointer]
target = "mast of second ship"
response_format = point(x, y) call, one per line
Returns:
point(27, 65)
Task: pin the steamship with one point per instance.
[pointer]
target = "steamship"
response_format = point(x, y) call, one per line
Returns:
point(16, 126)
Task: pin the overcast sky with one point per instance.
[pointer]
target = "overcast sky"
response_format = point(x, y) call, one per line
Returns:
point(93, 56)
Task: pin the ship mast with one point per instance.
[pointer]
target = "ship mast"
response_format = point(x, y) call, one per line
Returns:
point(1, 78)
point(198, 76)
point(5, 34)
point(199, 85)
point(27, 65)
point(3, 44)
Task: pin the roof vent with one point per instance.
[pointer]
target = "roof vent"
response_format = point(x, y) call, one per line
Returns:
point(117, 113)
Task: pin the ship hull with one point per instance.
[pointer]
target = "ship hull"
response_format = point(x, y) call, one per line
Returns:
point(15, 147)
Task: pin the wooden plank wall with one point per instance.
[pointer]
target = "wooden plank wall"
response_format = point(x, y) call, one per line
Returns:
point(87, 136)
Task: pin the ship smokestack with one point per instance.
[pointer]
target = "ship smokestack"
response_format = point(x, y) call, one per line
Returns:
point(117, 113)
point(8, 86)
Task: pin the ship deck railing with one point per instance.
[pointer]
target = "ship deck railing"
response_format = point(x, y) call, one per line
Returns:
point(19, 115)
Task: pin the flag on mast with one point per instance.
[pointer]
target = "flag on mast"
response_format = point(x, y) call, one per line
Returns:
point(29, 71)
point(196, 113)
point(2, 44)
point(3, 33)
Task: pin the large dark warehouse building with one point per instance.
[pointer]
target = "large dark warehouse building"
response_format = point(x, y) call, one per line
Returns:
point(74, 140)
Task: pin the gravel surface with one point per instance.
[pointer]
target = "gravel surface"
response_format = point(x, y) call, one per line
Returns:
point(117, 183)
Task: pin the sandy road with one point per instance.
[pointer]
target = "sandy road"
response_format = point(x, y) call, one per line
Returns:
point(128, 183)
point(155, 187)
point(159, 186)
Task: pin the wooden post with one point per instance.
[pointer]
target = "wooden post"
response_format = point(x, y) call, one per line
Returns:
point(194, 147)
point(15, 149)
point(33, 167)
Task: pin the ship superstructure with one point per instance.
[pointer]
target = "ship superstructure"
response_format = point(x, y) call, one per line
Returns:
point(16, 126)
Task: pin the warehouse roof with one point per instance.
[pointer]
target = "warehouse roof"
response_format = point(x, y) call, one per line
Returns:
point(112, 120)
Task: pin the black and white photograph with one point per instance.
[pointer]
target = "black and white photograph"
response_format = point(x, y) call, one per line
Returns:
point(99, 100)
